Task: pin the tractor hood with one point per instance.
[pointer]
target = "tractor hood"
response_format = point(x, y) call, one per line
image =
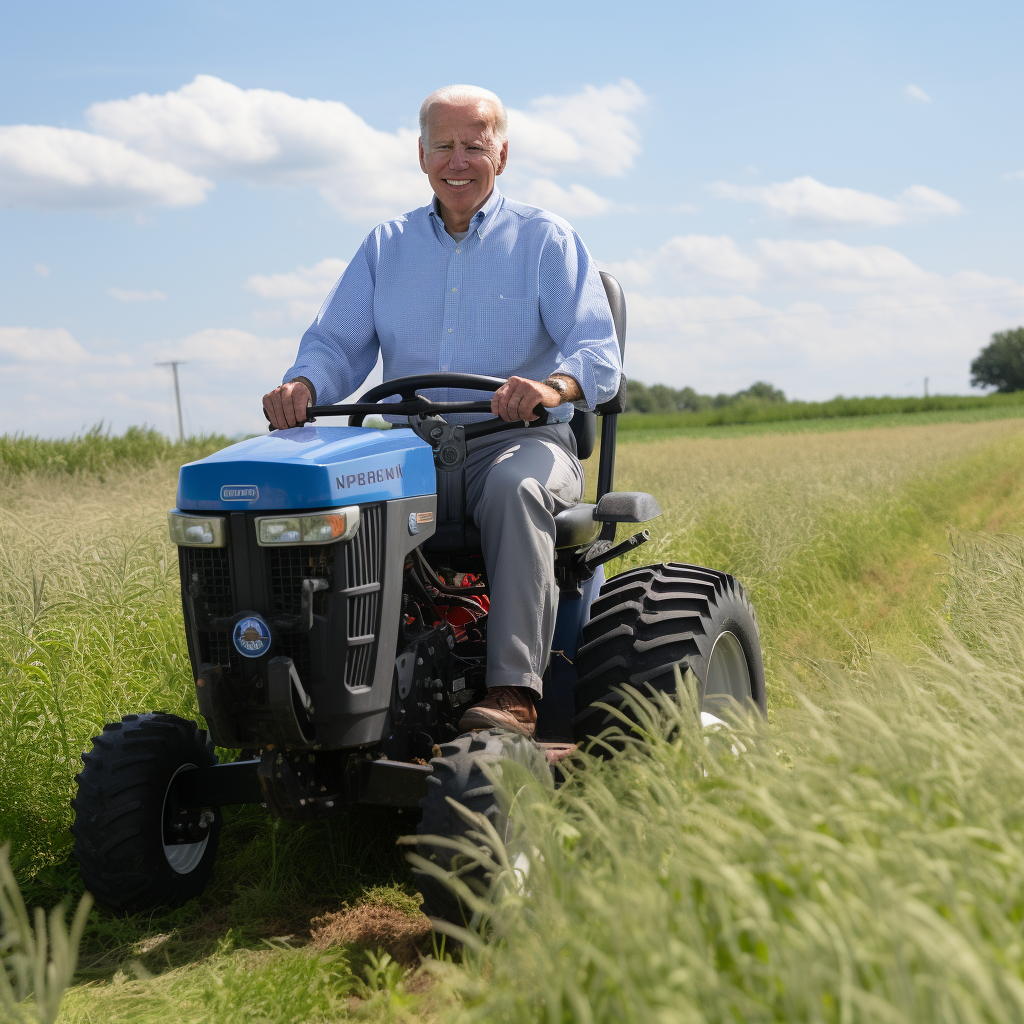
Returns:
point(310, 467)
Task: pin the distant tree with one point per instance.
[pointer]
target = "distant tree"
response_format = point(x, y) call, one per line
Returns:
point(764, 391)
point(1000, 364)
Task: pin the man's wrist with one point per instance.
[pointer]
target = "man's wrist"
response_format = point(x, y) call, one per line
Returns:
point(307, 384)
point(567, 387)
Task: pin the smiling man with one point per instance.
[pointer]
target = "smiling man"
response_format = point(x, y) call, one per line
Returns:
point(477, 283)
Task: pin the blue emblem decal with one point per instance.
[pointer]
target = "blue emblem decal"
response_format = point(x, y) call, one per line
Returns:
point(239, 492)
point(251, 637)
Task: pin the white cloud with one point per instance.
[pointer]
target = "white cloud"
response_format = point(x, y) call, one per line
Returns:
point(61, 168)
point(574, 201)
point(270, 138)
point(166, 150)
point(834, 264)
point(304, 288)
point(301, 283)
point(808, 200)
point(915, 92)
point(591, 129)
point(41, 269)
point(54, 346)
point(123, 295)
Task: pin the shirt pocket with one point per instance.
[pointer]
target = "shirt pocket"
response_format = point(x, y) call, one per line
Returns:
point(505, 329)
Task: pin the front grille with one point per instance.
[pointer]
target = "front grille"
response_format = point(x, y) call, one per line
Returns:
point(363, 558)
point(208, 579)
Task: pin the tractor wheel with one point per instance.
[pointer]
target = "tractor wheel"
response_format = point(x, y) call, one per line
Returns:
point(458, 775)
point(648, 620)
point(136, 850)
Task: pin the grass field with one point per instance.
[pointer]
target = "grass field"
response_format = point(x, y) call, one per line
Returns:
point(863, 860)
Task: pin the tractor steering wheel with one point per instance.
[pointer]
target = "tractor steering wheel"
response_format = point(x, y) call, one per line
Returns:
point(407, 387)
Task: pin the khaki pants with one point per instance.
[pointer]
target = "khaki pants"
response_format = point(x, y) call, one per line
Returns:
point(512, 486)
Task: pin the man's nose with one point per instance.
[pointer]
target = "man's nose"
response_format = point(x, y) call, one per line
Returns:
point(458, 159)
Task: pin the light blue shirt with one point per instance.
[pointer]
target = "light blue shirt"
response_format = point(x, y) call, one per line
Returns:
point(518, 295)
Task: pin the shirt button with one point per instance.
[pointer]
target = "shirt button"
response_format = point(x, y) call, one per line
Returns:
point(449, 330)
point(458, 250)
point(455, 289)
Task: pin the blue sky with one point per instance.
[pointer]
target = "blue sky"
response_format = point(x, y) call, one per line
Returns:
point(826, 196)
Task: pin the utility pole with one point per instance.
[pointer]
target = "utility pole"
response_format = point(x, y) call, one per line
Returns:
point(174, 364)
point(925, 385)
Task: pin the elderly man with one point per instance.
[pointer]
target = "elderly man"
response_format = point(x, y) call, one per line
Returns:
point(476, 283)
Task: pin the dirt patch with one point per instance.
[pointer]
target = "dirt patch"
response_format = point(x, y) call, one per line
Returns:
point(376, 926)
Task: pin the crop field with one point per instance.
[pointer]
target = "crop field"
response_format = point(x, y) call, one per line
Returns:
point(857, 858)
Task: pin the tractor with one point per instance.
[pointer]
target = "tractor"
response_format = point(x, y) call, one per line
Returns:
point(337, 631)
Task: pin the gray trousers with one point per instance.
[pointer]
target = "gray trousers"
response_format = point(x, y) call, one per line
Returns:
point(512, 486)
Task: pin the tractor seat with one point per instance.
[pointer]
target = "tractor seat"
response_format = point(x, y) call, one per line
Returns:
point(576, 527)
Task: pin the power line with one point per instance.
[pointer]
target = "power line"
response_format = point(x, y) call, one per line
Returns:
point(174, 364)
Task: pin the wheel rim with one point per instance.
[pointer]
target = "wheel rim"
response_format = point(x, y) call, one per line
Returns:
point(182, 857)
point(728, 677)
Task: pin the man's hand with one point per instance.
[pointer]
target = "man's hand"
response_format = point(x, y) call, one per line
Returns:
point(286, 406)
point(518, 397)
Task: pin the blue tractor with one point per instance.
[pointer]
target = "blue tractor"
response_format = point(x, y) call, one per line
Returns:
point(337, 631)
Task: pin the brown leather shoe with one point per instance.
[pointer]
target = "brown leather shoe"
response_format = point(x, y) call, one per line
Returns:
point(505, 707)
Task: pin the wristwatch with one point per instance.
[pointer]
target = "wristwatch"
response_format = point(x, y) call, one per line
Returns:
point(559, 384)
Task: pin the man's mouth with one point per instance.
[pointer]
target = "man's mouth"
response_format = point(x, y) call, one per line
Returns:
point(456, 182)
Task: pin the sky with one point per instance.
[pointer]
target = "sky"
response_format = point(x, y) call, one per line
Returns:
point(827, 196)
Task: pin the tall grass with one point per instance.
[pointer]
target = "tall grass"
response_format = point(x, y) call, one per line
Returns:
point(98, 451)
point(862, 861)
point(835, 535)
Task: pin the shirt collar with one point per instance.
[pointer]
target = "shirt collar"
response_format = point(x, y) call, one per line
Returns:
point(483, 219)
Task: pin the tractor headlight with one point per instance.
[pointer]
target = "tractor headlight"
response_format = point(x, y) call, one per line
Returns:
point(323, 528)
point(193, 531)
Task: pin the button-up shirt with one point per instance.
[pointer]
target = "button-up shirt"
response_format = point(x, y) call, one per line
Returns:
point(518, 295)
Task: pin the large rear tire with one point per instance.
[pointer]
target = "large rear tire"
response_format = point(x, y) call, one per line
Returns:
point(135, 849)
point(649, 620)
point(459, 775)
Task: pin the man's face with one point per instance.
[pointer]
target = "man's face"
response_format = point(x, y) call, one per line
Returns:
point(460, 155)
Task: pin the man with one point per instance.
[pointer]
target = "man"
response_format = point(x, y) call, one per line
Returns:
point(476, 283)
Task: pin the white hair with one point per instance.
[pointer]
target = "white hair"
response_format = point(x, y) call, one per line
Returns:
point(457, 94)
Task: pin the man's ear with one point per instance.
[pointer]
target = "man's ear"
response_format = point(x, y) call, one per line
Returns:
point(423, 162)
point(502, 158)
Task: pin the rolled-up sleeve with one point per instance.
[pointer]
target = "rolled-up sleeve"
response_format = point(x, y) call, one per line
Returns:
point(575, 311)
point(338, 351)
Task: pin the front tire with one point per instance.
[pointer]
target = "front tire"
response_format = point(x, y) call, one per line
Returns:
point(135, 849)
point(650, 620)
point(459, 776)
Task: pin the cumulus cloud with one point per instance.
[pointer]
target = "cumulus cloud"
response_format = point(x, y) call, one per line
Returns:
point(814, 317)
point(915, 92)
point(574, 201)
point(59, 168)
point(123, 295)
point(304, 288)
point(810, 201)
point(166, 150)
point(591, 129)
point(56, 346)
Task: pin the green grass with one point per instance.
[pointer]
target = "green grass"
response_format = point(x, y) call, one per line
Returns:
point(836, 408)
point(841, 538)
point(97, 451)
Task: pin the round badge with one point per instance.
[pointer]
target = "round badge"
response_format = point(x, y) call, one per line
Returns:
point(251, 637)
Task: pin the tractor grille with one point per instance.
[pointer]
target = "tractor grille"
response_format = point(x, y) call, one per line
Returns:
point(208, 578)
point(363, 558)
point(289, 567)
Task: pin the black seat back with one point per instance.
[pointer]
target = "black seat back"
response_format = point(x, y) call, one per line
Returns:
point(584, 424)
